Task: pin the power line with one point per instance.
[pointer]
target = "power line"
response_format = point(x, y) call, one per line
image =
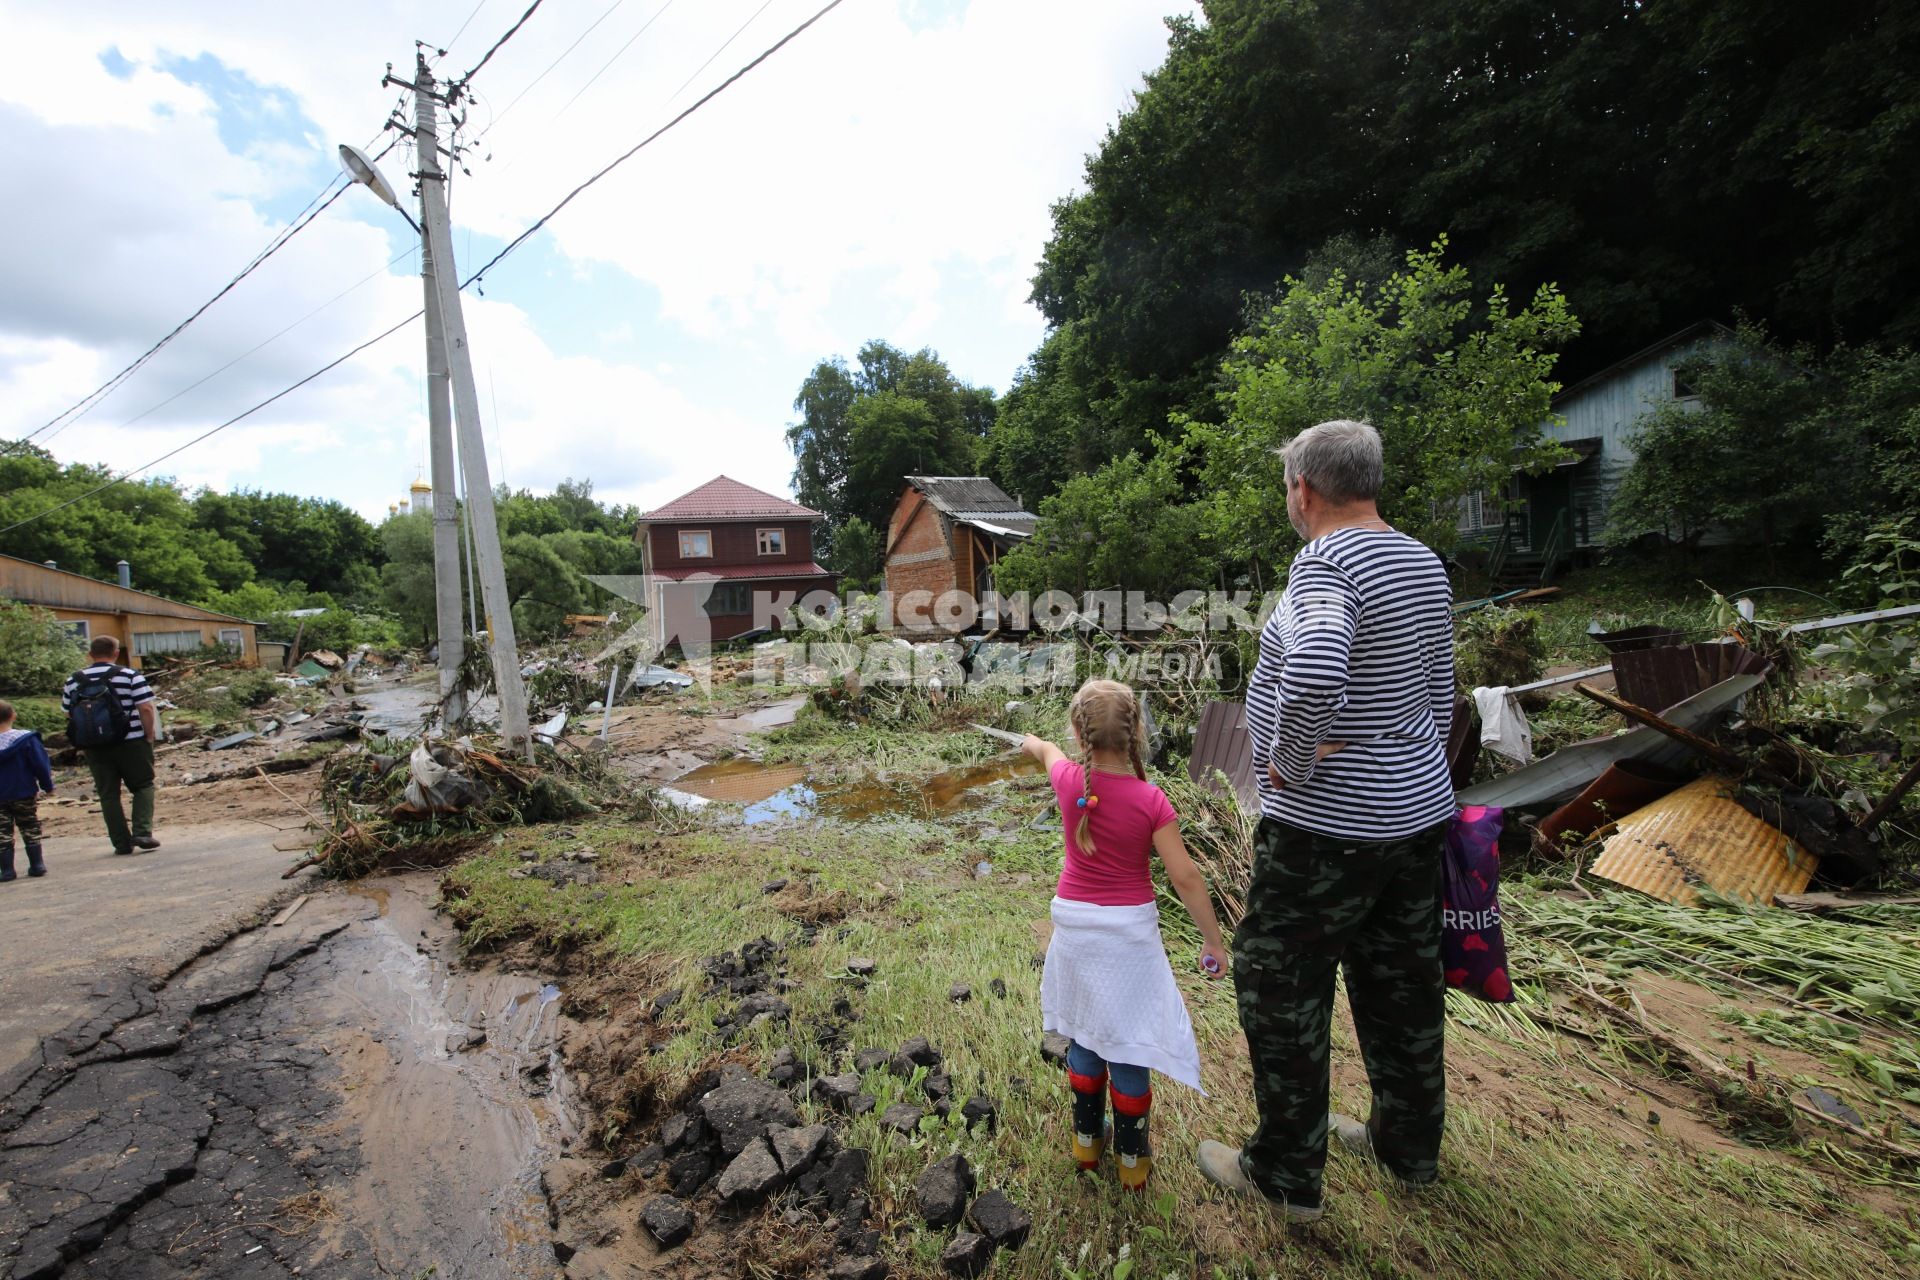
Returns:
point(610, 61)
point(722, 49)
point(211, 431)
point(481, 4)
point(300, 222)
point(408, 252)
point(461, 83)
point(627, 155)
point(550, 66)
point(492, 262)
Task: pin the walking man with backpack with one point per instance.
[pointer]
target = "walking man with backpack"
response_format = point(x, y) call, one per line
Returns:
point(111, 717)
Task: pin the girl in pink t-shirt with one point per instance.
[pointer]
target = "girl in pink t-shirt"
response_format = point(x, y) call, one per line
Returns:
point(1107, 985)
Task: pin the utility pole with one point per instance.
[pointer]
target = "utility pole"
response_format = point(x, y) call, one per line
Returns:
point(446, 515)
point(489, 566)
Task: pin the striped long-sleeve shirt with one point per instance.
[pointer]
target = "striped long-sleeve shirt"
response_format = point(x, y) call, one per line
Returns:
point(1360, 652)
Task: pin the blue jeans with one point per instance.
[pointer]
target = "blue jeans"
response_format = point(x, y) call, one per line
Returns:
point(1134, 1082)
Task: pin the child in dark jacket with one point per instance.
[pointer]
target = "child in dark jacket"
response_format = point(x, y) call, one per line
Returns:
point(24, 773)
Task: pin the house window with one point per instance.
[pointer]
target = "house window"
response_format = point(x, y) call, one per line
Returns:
point(148, 643)
point(773, 542)
point(230, 639)
point(729, 600)
point(1683, 389)
point(80, 629)
point(696, 544)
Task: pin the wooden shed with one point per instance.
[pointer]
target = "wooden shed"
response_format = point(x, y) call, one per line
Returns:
point(145, 624)
point(947, 534)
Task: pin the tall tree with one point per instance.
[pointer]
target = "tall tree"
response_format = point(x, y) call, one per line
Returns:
point(862, 430)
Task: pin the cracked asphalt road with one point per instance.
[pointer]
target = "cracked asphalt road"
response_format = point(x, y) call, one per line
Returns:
point(329, 1099)
point(76, 936)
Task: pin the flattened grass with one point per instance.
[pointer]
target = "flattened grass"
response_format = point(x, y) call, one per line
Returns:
point(1519, 1196)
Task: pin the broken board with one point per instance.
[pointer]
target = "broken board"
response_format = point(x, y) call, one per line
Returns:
point(1700, 836)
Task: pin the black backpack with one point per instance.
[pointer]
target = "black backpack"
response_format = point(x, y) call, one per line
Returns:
point(95, 717)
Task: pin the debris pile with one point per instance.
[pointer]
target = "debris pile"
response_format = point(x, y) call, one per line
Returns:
point(436, 796)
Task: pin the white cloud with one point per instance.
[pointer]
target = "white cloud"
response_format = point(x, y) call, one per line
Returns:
point(878, 177)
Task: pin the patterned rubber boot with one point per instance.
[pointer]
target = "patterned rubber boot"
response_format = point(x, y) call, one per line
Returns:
point(36, 865)
point(6, 862)
point(1089, 1117)
point(1131, 1150)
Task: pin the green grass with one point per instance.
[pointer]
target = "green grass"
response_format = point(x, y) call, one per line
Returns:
point(1521, 1195)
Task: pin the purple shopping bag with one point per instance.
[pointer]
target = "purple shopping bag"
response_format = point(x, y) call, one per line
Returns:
point(1473, 950)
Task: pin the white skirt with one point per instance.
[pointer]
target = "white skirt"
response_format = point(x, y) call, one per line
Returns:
point(1107, 986)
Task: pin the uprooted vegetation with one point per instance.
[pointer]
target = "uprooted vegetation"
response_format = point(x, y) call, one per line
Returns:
point(1631, 1114)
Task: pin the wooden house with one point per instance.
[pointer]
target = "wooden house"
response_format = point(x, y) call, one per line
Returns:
point(146, 625)
point(1542, 522)
point(710, 552)
point(947, 533)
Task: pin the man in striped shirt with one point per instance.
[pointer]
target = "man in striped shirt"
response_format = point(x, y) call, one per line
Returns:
point(128, 762)
point(1347, 710)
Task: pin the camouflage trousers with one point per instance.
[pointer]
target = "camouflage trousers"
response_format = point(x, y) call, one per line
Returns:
point(1316, 903)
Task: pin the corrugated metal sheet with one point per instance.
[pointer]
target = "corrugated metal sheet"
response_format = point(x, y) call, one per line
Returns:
point(1660, 678)
point(31, 583)
point(724, 498)
point(969, 498)
point(1220, 743)
point(1699, 836)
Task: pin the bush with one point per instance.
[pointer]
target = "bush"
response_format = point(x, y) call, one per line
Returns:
point(43, 715)
point(1497, 646)
point(37, 653)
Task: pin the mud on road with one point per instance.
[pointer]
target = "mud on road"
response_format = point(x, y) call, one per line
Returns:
point(331, 1098)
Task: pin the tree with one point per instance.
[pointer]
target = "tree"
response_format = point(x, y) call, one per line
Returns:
point(1126, 526)
point(858, 555)
point(406, 579)
point(1786, 447)
point(1458, 398)
point(861, 431)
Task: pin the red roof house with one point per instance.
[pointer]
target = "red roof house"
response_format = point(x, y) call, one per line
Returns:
point(726, 558)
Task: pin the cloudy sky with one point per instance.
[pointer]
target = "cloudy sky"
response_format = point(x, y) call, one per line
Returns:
point(888, 175)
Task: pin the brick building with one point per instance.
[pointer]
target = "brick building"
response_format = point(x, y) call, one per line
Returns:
point(709, 552)
point(947, 534)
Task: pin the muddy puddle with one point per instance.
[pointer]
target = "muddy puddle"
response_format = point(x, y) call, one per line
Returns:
point(454, 1092)
point(771, 792)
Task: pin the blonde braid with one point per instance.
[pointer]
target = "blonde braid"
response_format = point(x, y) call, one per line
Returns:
point(1083, 833)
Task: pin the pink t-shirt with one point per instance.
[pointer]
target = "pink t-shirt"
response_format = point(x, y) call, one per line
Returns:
point(1122, 827)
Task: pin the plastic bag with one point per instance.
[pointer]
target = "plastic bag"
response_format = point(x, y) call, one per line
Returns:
point(1473, 949)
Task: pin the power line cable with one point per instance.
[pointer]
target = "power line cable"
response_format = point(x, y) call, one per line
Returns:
point(550, 66)
point(463, 26)
point(408, 252)
point(627, 155)
point(300, 222)
point(492, 262)
point(329, 367)
point(610, 61)
point(722, 49)
point(461, 83)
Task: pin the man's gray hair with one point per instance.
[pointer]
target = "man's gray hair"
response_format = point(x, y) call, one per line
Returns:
point(1340, 459)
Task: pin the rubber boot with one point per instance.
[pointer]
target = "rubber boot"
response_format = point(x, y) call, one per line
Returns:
point(36, 865)
point(1131, 1150)
point(1089, 1117)
point(6, 863)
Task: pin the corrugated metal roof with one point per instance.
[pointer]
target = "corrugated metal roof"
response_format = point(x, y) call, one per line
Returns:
point(1220, 743)
point(1660, 678)
point(745, 572)
point(970, 498)
point(724, 498)
point(1698, 836)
